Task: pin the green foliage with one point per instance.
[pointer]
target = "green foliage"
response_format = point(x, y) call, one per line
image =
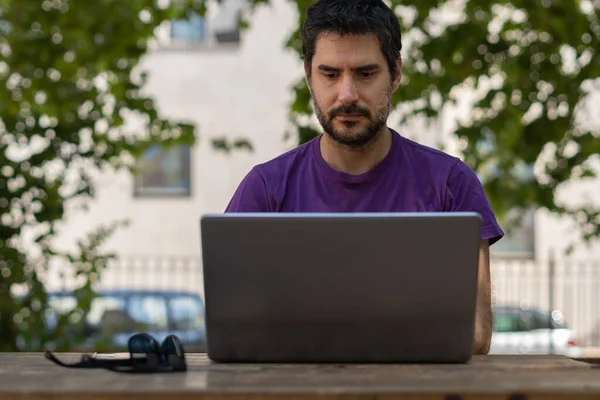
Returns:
point(69, 78)
point(533, 65)
point(222, 144)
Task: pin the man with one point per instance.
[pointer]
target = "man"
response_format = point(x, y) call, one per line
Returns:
point(352, 65)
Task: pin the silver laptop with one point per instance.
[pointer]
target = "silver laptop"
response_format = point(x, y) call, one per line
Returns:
point(340, 288)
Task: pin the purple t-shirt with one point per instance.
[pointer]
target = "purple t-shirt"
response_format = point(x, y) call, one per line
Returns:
point(411, 178)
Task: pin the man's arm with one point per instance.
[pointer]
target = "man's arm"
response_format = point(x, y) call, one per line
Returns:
point(483, 314)
point(251, 194)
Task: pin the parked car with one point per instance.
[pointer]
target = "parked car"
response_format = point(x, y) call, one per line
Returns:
point(115, 315)
point(530, 331)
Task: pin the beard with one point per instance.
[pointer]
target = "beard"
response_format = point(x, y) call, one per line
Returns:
point(358, 139)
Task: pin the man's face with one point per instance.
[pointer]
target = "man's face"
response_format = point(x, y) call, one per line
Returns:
point(351, 87)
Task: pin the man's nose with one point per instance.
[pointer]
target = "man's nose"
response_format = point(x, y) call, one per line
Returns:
point(348, 93)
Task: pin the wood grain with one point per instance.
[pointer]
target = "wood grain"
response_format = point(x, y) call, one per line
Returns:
point(30, 376)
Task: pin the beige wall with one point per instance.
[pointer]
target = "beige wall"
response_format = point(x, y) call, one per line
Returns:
point(233, 91)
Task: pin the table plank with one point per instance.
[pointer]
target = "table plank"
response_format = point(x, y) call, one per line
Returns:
point(31, 376)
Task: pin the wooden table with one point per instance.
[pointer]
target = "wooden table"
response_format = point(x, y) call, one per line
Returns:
point(31, 376)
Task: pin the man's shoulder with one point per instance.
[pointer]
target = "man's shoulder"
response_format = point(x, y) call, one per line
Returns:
point(445, 168)
point(284, 161)
point(423, 155)
point(259, 190)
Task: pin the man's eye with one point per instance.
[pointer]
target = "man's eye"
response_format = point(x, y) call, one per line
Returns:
point(331, 76)
point(366, 74)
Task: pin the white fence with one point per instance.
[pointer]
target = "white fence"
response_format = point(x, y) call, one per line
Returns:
point(571, 286)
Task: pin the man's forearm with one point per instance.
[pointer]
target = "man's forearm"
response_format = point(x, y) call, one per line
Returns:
point(483, 330)
point(483, 313)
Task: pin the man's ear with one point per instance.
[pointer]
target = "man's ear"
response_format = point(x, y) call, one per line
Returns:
point(307, 73)
point(397, 75)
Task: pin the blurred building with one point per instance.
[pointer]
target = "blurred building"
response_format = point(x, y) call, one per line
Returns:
point(228, 84)
point(236, 84)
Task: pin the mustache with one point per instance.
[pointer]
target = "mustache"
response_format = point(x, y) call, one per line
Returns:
point(353, 109)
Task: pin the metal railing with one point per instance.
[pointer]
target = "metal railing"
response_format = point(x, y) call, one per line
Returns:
point(154, 272)
point(569, 285)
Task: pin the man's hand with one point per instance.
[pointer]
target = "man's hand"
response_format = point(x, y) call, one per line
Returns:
point(483, 313)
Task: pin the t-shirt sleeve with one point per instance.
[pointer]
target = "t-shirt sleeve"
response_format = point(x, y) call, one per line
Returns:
point(251, 195)
point(465, 193)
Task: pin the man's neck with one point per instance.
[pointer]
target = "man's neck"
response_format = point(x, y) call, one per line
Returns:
point(356, 161)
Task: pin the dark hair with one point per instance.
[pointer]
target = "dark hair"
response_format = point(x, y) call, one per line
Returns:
point(352, 17)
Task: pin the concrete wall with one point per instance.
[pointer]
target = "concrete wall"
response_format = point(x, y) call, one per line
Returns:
point(231, 90)
point(237, 91)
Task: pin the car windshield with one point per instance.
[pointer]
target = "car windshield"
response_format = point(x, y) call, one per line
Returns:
point(186, 312)
point(100, 307)
point(526, 320)
point(506, 323)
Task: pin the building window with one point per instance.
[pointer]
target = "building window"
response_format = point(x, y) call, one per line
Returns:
point(228, 36)
point(204, 32)
point(164, 172)
point(228, 30)
point(191, 29)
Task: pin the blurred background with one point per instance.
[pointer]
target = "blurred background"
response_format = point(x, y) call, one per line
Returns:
point(122, 122)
